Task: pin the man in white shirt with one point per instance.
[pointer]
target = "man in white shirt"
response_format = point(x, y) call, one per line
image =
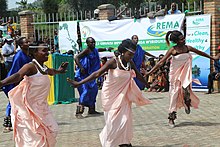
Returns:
point(8, 51)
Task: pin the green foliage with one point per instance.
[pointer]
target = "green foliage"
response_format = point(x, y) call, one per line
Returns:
point(3, 7)
point(134, 3)
point(50, 6)
point(22, 4)
point(90, 5)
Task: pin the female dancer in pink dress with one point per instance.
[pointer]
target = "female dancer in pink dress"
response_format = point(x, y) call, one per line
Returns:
point(118, 92)
point(180, 75)
point(32, 121)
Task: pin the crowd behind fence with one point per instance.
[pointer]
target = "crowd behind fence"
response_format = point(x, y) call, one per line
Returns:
point(45, 24)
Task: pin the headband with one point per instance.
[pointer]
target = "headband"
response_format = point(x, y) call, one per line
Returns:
point(129, 50)
point(38, 46)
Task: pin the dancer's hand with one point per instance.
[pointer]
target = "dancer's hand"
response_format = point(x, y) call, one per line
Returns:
point(63, 67)
point(73, 83)
point(143, 72)
point(217, 76)
point(216, 57)
point(146, 74)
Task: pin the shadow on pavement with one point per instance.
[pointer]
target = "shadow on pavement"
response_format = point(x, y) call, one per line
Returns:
point(184, 124)
point(63, 123)
point(173, 145)
point(156, 98)
point(94, 115)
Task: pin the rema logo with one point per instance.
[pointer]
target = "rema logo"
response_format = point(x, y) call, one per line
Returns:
point(85, 32)
point(198, 21)
point(161, 28)
point(151, 32)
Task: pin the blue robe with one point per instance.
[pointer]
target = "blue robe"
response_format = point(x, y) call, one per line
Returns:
point(89, 90)
point(19, 60)
point(138, 59)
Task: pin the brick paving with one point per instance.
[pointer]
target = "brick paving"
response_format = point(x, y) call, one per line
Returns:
point(200, 128)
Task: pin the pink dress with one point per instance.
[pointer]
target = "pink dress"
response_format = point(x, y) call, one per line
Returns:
point(118, 92)
point(32, 120)
point(181, 76)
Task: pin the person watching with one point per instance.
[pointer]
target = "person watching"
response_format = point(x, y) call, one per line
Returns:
point(214, 75)
point(174, 9)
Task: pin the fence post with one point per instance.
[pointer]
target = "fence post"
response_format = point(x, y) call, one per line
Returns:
point(106, 10)
point(213, 7)
point(27, 28)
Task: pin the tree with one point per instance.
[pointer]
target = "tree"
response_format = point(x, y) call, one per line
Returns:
point(3, 7)
point(90, 5)
point(134, 3)
point(23, 4)
point(51, 6)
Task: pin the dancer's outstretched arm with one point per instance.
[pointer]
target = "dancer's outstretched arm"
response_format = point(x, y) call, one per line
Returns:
point(160, 63)
point(192, 49)
point(108, 65)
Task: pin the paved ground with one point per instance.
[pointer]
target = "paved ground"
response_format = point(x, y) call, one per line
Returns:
point(200, 128)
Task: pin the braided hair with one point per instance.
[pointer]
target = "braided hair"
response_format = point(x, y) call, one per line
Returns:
point(173, 36)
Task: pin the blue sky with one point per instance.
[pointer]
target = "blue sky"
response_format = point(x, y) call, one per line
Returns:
point(11, 3)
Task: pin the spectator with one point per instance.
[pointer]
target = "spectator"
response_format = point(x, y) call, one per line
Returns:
point(158, 12)
point(214, 75)
point(96, 14)
point(139, 58)
point(161, 79)
point(70, 52)
point(1, 39)
point(101, 79)
point(10, 30)
point(150, 78)
point(16, 38)
point(56, 41)
point(20, 59)
point(158, 8)
point(87, 62)
point(8, 51)
point(173, 9)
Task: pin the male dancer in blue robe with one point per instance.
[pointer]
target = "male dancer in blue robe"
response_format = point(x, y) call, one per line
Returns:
point(87, 62)
point(20, 59)
point(138, 59)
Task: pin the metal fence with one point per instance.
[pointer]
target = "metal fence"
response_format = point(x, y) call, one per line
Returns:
point(45, 24)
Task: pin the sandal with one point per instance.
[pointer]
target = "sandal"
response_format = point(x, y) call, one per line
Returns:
point(172, 117)
point(7, 124)
point(7, 129)
point(79, 111)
